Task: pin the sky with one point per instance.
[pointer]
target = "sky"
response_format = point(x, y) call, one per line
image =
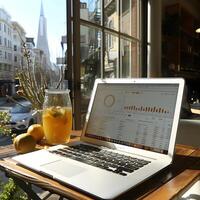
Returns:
point(27, 12)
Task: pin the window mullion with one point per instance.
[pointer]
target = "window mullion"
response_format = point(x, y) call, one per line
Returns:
point(76, 65)
point(102, 41)
point(119, 70)
point(68, 70)
point(144, 18)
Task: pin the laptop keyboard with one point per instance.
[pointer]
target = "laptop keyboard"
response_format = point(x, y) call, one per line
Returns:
point(104, 159)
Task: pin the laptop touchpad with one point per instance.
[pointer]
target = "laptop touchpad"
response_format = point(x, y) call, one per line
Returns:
point(63, 168)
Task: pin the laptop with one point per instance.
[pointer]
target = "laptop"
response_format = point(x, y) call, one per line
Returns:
point(129, 135)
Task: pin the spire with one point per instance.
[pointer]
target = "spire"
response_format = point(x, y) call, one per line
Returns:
point(42, 42)
point(41, 9)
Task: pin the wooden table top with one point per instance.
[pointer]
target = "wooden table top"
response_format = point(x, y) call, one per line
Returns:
point(170, 183)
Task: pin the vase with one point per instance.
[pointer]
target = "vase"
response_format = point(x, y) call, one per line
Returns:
point(57, 116)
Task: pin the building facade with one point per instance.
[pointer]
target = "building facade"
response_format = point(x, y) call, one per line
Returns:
point(18, 41)
point(6, 61)
point(12, 37)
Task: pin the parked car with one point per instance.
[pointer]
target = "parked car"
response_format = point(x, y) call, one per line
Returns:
point(22, 115)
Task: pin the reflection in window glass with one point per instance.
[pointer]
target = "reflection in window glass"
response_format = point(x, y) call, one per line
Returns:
point(90, 63)
point(125, 53)
point(91, 10)
point(110, 43)
point(129, 17)
point(135, 59)
point(111, 56)
point(111, 14)
point(129, 58)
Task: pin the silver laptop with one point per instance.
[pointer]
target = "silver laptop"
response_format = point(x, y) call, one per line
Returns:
point(129, 135)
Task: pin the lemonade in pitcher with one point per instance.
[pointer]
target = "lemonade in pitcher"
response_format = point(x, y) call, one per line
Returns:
point(57, 116)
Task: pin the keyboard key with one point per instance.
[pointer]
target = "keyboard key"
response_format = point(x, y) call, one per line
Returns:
point(102, 158)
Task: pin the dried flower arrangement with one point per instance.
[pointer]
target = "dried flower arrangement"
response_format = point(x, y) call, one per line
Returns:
point(30, 87)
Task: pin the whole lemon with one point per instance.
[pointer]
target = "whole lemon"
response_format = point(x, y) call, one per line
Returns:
point(24, 143)
point(36, 130)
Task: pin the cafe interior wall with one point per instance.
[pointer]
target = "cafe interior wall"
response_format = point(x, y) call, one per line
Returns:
point(155, 32)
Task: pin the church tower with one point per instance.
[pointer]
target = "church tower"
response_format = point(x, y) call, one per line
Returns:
point(42, 42)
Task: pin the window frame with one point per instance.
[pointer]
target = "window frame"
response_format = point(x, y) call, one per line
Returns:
point(72, 72)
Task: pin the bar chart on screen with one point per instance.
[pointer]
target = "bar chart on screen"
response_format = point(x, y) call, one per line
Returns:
point(134, 115)
point(146, 109)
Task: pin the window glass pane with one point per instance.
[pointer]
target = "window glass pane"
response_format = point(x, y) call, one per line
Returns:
point(111, 14)
point(129, 58)
point(129, 17)
point(90, 10)
point(106, 50)
point(90, 57)
point(111, 56)
point(125, 53)
point(135, 59)
point(90, 63)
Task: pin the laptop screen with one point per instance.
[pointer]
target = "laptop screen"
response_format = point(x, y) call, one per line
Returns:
point(137, 115)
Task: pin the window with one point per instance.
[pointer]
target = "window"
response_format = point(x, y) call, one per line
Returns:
point(109, 45)
point(0, 40)
point(5, 67)
point(10, 44)
point(9, 56)
point(5, 42)
point(111, 13)
point(110, 39)
point(8, 30)
point(15, 47)
point(105, 41)
point(111, 56)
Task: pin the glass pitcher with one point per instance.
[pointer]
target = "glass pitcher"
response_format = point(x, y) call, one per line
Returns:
point(57, 116)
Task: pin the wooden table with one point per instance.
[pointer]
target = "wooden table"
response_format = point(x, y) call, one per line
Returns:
point(170, 183)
